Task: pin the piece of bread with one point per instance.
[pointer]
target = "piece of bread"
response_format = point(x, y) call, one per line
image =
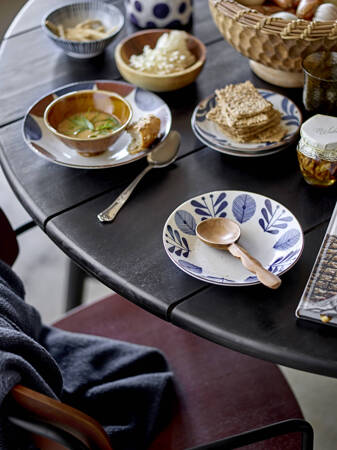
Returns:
point(143, 133)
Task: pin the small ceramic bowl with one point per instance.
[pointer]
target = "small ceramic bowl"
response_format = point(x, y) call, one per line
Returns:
point(135, 43)
point(82, 101)
point(71, 15)
point(159, 13)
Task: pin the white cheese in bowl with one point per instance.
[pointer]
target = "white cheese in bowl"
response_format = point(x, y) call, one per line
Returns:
point(170, 55)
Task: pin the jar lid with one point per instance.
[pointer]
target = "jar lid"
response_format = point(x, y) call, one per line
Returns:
point(320, 131)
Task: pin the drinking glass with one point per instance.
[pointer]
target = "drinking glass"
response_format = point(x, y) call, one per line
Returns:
point(320, 83)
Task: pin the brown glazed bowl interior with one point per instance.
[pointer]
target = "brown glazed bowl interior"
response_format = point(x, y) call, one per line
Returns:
point(82, 101)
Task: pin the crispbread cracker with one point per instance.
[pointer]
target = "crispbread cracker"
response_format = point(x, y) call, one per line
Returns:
point(274, 134)
point(247, 125)
point(245, 116)
point(250, 135)
point(242, 100)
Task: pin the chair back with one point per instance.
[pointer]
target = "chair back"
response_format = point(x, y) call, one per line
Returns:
point(80, 427)
point(9, 248)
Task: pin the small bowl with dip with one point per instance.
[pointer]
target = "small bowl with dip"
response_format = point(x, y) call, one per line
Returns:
point(88, 121)
point(160, 60)
point(84, 29)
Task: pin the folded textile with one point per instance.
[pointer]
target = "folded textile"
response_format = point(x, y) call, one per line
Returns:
point(126, 387)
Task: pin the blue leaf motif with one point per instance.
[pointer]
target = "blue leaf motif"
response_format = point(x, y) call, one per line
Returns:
point(251, 278)
point(185, 222)
point(261, 222)
point(185, 243)
point(287, 240)
point(202, 212)
point(265, 214)
point(273, 220)
point(197, 204)
point(169, 229)
point(189, 266)
point(177, 235)
point(177, 244)
point(243, 208)
point(283, 262)
point(268, 206)
point(280, 225)
point(266, 94)
point(285, 104)
point(286, 219)
point(287, 117)
point(293, 122)
point(202, 111)
point(208, 206)
point(221, 207)
point(220, 198)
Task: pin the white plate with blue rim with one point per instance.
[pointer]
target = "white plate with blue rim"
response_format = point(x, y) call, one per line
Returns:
point(212, 135)
point(269, 232)
point(45, 144)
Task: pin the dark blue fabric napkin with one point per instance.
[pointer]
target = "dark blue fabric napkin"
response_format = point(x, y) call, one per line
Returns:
point(126, 387)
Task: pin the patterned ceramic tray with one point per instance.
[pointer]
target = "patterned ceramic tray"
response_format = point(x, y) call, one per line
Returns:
point(319, 299)
point(269, 231)
point(212, 135)
point(45, 144)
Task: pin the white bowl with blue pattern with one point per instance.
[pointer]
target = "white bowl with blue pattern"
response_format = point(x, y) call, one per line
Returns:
point(72, 14)
point(212, 135)
point(159, 13)
point(269, 232)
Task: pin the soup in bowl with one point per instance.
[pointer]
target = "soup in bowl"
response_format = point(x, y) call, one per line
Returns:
point(88, 121)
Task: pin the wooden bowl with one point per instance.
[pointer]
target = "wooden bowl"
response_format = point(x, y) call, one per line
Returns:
point(81, 101)
point(135, 43)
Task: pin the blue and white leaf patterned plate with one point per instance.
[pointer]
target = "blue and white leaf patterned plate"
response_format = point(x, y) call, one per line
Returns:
point(45, 144)
point(211, 134)
point(269, 232)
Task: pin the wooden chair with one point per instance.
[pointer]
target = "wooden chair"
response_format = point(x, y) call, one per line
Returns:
point(219, 392)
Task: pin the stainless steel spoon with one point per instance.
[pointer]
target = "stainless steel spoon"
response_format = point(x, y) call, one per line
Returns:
point(163, 155)
point(223, 233)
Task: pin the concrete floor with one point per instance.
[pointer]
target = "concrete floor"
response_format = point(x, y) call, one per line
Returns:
point(40, 259)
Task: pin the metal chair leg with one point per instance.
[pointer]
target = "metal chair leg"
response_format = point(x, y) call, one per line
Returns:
point(75, 285)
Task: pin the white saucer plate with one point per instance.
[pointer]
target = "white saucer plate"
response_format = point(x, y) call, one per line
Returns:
point(269, 232)
point(46, 145)
point(211, 134)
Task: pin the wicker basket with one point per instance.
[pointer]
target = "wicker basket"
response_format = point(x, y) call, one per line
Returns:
point(275, 46)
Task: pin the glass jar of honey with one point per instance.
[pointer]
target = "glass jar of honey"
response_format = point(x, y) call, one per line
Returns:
point(317, 150)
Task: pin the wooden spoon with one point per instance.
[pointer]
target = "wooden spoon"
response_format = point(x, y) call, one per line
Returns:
point(223, 233)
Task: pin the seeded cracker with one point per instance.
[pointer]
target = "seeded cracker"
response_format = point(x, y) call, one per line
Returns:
point(248, 125)
point(245, 115)
point(242, 101)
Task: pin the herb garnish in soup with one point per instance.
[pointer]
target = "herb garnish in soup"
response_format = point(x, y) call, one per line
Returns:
point(88, 125)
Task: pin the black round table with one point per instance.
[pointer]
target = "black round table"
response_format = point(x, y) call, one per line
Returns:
point(128, 255)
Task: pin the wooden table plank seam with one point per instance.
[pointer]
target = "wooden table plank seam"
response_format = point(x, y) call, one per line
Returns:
point(20, 33)
point(121, 186)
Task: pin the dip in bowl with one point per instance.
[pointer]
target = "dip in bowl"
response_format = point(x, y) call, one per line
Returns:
point(88, 121)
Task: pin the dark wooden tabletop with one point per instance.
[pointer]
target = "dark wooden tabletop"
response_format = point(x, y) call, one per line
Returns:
point(128, 255)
